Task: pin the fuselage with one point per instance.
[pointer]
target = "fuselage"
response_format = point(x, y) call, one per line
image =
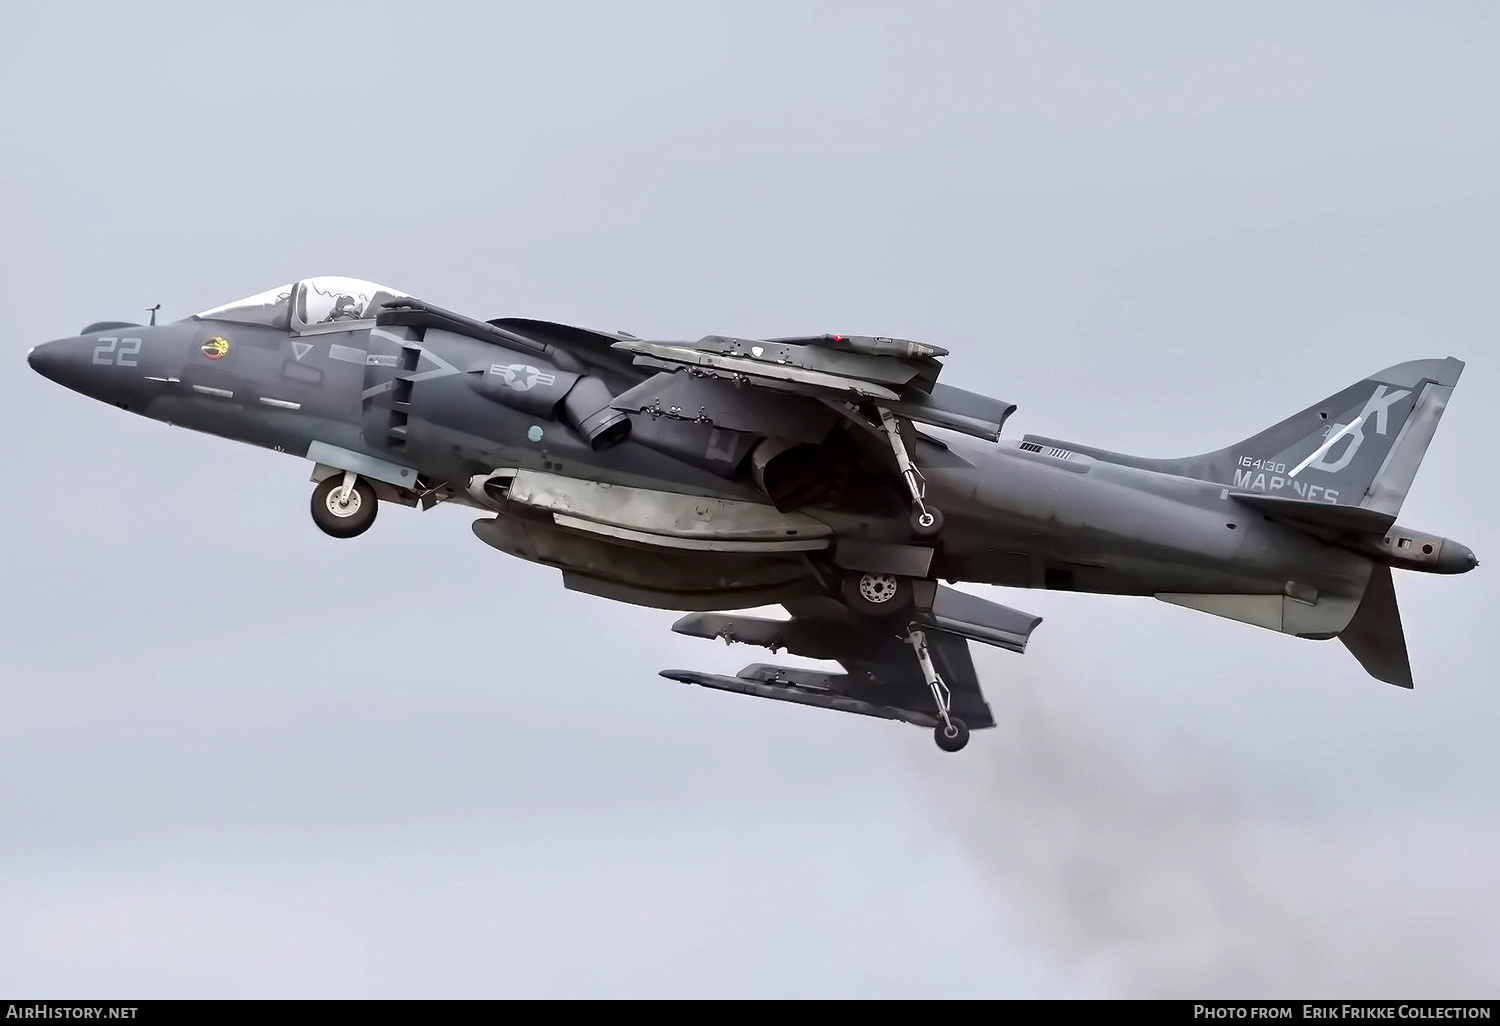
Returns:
point(833, 475)
point(1018, 515)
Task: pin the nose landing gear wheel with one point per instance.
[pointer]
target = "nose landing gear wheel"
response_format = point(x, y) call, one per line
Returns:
point(344, 508)
point(879, 596)
point(952, 736)
point(926, 521)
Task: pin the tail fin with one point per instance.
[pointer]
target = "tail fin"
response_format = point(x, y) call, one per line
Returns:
point(1358, 447)
point(1375, 636)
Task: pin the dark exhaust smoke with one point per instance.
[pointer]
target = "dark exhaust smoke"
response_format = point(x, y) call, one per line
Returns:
point(1167, 880)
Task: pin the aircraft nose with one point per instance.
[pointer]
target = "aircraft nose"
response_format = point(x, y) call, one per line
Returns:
point(50, 359)
point(81, 364)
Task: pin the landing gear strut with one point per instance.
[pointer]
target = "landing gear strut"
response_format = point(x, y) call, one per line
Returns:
point(344, 505)
point(926, 521)
point(951, 734)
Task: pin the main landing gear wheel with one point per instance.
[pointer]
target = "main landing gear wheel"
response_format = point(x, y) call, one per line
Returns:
point(926, 521)
point(344, 505)
point(880, 596)
point(951, 736)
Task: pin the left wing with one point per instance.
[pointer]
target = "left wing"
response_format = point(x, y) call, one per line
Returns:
point(897, 374)
point(883, 676)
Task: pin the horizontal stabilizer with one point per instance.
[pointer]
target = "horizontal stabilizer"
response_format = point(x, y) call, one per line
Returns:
point(1320, 517)
point(1375, 635)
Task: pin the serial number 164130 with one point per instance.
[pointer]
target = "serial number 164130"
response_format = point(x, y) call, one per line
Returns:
point(1269, 466)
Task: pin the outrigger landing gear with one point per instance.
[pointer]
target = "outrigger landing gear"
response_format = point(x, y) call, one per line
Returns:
point(950, 733)
point(926, 521)
point(344, 505)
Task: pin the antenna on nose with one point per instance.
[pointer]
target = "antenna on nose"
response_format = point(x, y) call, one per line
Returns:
point(152, 311)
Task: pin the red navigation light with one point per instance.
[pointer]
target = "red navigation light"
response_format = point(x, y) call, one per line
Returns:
point(838, 338)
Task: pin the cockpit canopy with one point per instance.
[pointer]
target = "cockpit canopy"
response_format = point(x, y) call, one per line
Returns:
point(312, 305)
point(271, 308)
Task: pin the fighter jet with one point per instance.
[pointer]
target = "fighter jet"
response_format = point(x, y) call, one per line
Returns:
point(833, 475)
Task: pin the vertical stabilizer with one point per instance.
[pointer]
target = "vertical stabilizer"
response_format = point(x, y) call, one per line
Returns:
point(1360, 447)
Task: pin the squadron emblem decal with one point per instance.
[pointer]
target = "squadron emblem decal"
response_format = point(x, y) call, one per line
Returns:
point(216, 347)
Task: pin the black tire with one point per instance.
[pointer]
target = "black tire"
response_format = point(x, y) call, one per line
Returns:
point(878, 596)
point(951, 742)
point(926, 523)
point(351, 520)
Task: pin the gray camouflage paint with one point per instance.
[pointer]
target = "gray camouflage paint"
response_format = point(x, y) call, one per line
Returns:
point(1282, 530)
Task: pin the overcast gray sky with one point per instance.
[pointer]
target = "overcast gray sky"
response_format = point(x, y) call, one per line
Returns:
point(240, 758)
